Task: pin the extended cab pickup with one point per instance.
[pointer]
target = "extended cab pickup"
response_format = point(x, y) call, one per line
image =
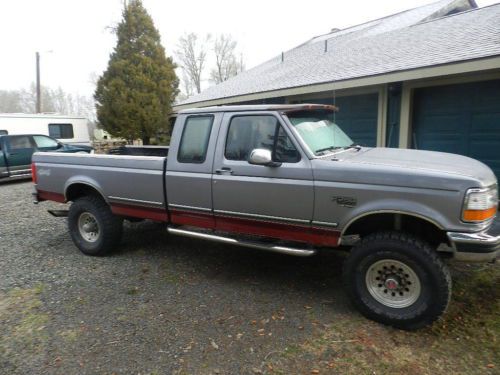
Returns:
point(288, 179)
point(16, 152)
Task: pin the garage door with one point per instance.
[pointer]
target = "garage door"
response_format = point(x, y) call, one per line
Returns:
point(357, 116)
point(462, 119)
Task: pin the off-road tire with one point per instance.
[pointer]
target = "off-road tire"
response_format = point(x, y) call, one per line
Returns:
point(434, 278)
point(110, 227)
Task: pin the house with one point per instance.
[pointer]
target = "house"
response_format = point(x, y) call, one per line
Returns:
point(426, 78)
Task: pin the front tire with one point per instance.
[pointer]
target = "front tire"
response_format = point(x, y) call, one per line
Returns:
point(93, 227)
point(398, 280)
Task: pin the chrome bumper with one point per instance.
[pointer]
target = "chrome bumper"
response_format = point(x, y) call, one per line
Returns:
point(475, 247)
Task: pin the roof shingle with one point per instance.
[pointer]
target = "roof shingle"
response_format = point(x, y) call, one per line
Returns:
point(371, 50)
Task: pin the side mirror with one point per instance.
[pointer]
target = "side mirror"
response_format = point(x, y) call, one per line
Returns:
point(261, 156)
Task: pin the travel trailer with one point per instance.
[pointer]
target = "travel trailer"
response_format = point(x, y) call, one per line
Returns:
point(67, 129)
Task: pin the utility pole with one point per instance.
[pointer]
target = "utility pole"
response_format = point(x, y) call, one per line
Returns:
point(38, 88)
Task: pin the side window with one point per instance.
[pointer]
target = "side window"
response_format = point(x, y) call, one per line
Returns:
point(45, 142)
point(247, 133)
point(3, 132)
point(20, 142)
point(61, 131)
point(194, 141)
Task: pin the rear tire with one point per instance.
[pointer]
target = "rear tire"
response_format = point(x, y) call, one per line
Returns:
point(93, 227)
point(398, 280)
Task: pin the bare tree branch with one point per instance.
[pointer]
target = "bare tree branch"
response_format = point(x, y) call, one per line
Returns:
point(227, 65)
point(192, 53)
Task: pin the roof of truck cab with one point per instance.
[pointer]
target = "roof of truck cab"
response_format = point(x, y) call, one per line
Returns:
point(259, 107)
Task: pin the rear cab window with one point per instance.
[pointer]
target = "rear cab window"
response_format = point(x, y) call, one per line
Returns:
point(195, 138)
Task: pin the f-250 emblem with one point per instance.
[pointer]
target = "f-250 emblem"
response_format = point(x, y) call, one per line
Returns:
point(345, 201)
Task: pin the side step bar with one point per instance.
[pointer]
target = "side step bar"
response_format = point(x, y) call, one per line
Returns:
point(254, 245)
point(58, 213)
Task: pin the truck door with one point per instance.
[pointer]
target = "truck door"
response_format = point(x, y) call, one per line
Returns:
point(189, 169)
point(273, 201)
point(4, 171)
point(19, 149)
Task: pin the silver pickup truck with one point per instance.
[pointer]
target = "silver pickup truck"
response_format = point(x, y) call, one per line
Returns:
point(286, 178)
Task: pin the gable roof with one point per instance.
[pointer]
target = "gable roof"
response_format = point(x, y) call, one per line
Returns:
point(399, 20)
point(405, 41)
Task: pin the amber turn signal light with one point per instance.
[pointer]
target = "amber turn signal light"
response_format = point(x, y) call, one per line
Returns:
point(479, 215)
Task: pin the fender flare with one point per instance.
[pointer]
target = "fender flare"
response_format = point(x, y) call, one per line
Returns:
point(83, 180)
point(417, 210)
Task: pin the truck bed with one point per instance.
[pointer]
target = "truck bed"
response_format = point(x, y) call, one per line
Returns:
point(132, 185)
point(140, 150)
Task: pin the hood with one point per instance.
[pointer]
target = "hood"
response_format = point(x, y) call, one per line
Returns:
point(403, 167)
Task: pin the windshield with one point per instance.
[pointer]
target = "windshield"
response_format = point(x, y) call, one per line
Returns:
point(319, 132)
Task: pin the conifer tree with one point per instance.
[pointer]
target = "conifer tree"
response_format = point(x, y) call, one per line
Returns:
point(134, 95)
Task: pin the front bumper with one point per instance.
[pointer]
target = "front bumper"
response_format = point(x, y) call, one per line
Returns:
point(476, 247)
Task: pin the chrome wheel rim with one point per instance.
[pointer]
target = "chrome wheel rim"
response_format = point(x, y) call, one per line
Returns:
point(393, 283)
point(88, 227)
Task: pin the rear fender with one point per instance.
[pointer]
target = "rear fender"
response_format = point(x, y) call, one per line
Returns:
point(84, 180)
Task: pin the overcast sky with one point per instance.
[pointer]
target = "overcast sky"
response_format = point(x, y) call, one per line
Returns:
point(77, 32)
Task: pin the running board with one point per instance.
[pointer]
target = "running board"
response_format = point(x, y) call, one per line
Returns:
point(58, 213)
point(254, 245)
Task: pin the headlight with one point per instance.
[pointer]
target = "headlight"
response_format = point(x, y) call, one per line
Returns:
point(480, 204)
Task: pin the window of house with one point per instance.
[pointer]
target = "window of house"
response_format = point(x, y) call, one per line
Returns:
point(247, 133)
point(195, 138)
point(61, 131)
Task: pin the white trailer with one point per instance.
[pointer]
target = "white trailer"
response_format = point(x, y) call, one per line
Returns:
point(67, 129)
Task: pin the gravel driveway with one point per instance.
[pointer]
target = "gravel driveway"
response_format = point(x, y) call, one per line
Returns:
point(163, 305)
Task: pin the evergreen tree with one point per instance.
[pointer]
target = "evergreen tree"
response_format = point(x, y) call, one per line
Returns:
point(135, 94)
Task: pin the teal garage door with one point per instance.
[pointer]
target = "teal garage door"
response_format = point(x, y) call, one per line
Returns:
point(357, 116)
point(462, 119)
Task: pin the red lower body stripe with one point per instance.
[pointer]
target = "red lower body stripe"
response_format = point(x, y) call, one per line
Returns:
point(43, 195)
point(284, 231)
point(193, 218)
point(156, 214)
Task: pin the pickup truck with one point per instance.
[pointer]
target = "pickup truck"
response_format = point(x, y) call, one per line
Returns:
point(286, 178)
point(16, 152)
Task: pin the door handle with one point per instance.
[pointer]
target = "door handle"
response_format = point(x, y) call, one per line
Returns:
point(224, 170)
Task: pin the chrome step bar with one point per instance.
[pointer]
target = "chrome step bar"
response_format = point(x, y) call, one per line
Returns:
point(232, 241)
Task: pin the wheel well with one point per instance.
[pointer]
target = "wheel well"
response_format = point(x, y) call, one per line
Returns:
point(75, 191)
point(417, 226)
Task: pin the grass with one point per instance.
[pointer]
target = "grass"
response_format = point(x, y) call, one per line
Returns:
point(464, 341)
point(23, 324)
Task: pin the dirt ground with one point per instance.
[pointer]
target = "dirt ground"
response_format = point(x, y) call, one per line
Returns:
point(170, 305)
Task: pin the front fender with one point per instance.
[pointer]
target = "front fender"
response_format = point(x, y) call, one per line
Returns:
point(396, 206)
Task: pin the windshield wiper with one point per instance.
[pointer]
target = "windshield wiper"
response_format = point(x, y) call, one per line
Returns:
point(354, 145)
point(322, 151)
point(330, 148)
